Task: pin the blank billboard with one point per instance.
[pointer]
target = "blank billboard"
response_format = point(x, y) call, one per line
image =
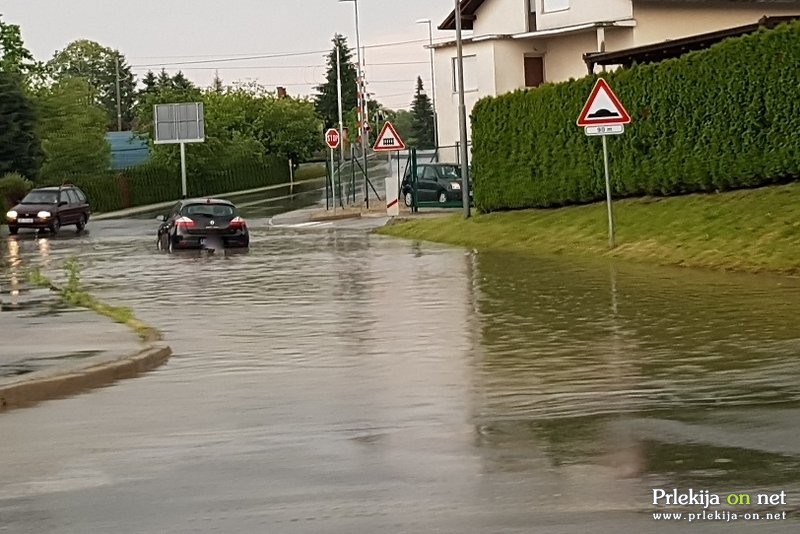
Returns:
point(179, 123)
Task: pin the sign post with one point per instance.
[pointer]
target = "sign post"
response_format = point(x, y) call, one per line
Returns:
point(179, 124)
point(604, 115)
point(390, 141)
point(332, 140)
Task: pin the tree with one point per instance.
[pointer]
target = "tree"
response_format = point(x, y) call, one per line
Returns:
point(246, 122)
point(327, 100)
point(20, 148)
point(216, 85)
point(164, 80)
point(150, 83)
point(422, 118)
point(404, 124)
point(98, 66)
point(14, 57)
point(73, 131)
point(180, 82)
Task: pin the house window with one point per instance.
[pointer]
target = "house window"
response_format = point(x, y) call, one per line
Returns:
point(470, 73)
point(548, 6)
point(534, 71)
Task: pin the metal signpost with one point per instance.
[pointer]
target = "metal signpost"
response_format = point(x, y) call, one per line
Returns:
point(179, 124)
point(332, 140)
point(604, 115)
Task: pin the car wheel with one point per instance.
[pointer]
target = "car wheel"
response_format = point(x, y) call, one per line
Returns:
point(442, 197)
point(13, 230)
point(170, 244)
point(81, 224)
point(160, 242)
point(408, 199)
point(55, 226)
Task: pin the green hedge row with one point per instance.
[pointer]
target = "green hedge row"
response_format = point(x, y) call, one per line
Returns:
point(723, 118)
point(152, 184)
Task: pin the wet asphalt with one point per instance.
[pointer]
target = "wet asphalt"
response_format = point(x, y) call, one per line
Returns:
point(331, 380)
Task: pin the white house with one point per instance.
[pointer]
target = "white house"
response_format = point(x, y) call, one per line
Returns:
point(515, 44)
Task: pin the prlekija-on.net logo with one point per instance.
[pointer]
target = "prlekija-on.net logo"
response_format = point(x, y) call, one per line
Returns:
point(703, 505)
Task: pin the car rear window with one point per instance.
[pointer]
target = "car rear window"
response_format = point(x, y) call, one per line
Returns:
point(208, 210)
point(41, 197)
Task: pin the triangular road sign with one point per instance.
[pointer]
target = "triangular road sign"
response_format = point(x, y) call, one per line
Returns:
point(388, 140)
point(603, 108)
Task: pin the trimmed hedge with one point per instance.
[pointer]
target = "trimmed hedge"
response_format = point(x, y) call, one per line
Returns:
point(152, 184)
point(718, 119)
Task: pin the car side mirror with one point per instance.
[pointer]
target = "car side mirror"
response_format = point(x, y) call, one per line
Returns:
point(63, 203)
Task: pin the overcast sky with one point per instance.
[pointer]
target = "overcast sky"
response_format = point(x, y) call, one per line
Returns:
point(156, 33)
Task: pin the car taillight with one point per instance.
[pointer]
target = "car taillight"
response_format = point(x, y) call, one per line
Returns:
point(185, 222)
point(237, 223)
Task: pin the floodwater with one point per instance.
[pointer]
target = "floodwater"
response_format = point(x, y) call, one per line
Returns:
point(336, 381)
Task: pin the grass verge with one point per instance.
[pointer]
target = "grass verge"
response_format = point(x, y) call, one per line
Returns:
point(755, 230)
point(74, 294)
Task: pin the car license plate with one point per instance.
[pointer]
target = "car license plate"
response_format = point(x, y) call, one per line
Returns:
point(25, 221)
point(202, 240)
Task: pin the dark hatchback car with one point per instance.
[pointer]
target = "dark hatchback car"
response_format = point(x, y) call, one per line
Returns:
point(50, 208)
point(438, 182)
point(202, 223)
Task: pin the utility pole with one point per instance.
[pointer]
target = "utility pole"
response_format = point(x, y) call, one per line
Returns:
point(429, 22)
point(119, 102)
point(339, 94)
point(341, 121)
point(462, 116)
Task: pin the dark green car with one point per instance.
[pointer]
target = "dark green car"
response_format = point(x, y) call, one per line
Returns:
point(436, 182)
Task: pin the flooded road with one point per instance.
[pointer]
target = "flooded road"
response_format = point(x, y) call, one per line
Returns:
point(336, 381)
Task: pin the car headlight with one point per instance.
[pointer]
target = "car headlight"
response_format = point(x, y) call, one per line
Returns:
point(455, 186)
point(43, 214)
point(12, 215)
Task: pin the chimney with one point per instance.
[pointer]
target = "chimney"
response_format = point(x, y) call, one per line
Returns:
point(281, 92)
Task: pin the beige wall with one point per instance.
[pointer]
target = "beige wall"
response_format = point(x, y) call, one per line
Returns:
point(564, 58)
point(510, 62)
point(501, 17)
point(655, 23)
point(447, 99)
point(583, 12)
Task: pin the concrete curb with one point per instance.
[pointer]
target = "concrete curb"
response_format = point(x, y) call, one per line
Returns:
point(43, 385)
point(336, 217)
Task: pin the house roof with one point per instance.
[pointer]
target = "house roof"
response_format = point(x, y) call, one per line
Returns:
point(470, 7)
point(653, 53)
point(127, 149)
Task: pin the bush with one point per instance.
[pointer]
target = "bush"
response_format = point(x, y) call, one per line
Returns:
point(717, 119)
point(13, 187)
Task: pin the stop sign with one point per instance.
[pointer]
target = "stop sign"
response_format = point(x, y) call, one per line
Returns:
point(332, 138)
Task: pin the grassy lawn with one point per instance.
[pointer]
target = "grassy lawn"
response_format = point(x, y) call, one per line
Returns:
point(754, 230)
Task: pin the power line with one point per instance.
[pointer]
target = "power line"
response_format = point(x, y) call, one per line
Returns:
point(263, 56)
point(278, 67)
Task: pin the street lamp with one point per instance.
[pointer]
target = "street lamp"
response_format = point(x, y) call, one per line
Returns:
point(462, 115)
point(433, 80)
point(362, 85)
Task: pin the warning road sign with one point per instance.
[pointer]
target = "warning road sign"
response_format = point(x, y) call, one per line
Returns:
point(388, 140)
point(603, 108)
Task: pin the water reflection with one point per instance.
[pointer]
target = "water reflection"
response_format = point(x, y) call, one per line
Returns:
point(572, 360)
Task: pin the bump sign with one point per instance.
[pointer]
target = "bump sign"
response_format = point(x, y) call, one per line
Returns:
point(388, 140)
point(603, 108)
